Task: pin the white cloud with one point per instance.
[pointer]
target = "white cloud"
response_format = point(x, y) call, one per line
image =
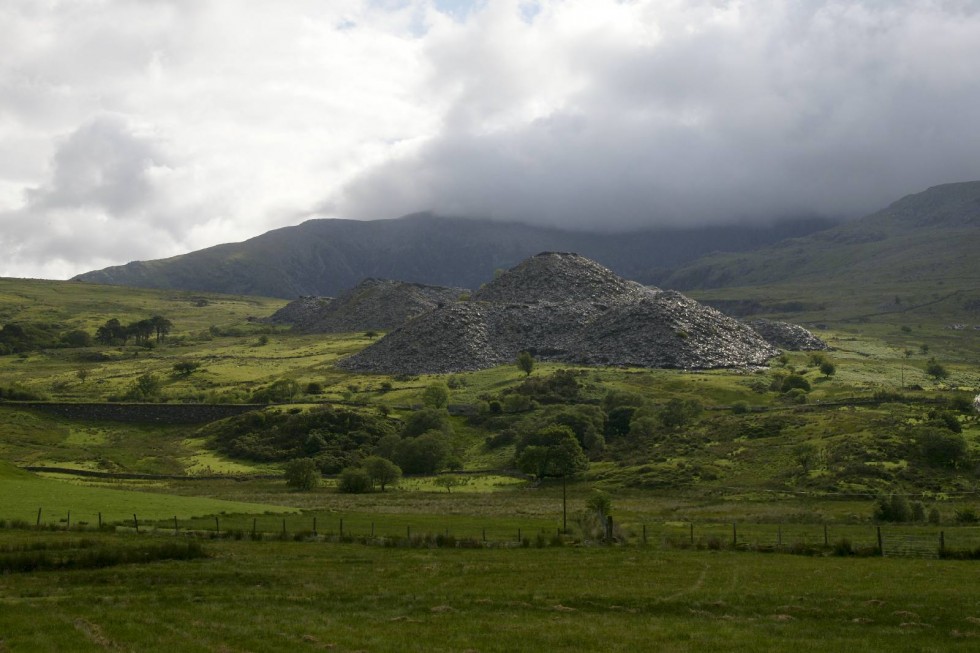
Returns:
point(139, 129)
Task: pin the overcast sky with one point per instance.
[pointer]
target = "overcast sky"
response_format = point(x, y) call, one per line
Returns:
point(136, 129)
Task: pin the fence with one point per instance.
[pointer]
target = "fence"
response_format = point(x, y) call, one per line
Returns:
point(907, 541)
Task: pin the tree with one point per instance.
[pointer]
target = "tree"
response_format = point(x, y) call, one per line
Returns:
point(426, 454)
point(680, 412)
point(941, 448)
point(354, 480)
point(302, 474)
point(525, 363)
point(553, 451)
point(436, 395)
point(110, 333)
point(427, 419)
point(382, 471)
point(161, 326)
point(77, 338)
point(145, 387)
point(449, 481)
point(936, 370)
point(828, 369)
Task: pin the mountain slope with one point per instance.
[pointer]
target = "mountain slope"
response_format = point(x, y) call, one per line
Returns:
point(932, 235)
point(325, 257)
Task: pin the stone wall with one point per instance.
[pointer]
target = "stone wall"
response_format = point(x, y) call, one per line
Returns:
point(139, 413)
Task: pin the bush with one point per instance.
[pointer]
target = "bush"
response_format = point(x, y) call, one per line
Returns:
point(302, 474)
point(354, 480)
point(894, 508)
point(966, 516)
point(941, 448)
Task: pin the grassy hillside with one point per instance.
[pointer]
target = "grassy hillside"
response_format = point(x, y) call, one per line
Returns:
point(914, 259)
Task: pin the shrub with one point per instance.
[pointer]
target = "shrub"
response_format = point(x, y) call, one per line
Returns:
point(966, 516)
point(941, 448)
point(936, 370)
point(894, 508)
point(740, 408)
point(302, 474)
point(354, 480)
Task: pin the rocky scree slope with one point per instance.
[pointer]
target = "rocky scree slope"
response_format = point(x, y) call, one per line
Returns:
point(788, 336)
point(566, 308)
point(299, 312)
point(380, 304)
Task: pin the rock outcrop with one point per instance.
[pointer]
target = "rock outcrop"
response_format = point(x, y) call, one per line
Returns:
point(379, 304)
point(566, 308)
point(788, 336)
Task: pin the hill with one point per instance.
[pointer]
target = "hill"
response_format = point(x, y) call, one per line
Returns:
point(325, 257)
point(566, 308)
point(933, 235)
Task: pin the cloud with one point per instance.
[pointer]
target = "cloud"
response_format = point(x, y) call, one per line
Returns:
point(136, 129)
point(690, 112)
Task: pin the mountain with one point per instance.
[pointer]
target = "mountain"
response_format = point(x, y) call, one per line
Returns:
point(326, 257)
point(929, 236)
point(565, 308)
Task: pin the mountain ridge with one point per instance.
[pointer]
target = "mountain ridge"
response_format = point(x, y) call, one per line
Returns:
point(325, 257)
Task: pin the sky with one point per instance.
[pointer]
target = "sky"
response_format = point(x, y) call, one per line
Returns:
point(141, 129)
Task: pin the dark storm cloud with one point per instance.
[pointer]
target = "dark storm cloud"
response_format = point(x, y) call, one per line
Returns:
point(728, 111)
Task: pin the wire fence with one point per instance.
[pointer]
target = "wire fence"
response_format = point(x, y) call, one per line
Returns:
point(888, 540)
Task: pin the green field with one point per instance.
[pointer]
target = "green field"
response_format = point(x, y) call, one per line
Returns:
point(312, 596)
point(707, 514)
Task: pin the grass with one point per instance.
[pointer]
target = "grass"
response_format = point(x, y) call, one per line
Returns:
point(23, 494)
point(352, 597)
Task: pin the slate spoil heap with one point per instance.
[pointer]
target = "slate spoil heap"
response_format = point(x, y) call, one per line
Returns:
point(788, 336)
point(379, 304)
point(299, 311)
point(565, 308)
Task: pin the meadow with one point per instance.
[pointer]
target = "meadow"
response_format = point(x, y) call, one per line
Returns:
point(269, 596)
point(708, 516)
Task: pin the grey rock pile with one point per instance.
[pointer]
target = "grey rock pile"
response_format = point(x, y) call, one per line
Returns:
point(300, 311)
point(565, 308)
point(788, 336)
point(380, 304)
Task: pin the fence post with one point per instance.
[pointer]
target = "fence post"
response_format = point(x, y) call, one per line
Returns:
point(609, 527)
point(485, 534)
point(881, 548)
point(175, 524)
point(734, 536)
point(284, 527)
point(942, 543)
point(100, 521)
point(38, 525)
point(314, 526)
point(136, 523)
point(518, 534)
point(826, 541)
point(69, 520)
point(341, 526)
point(692, 533)
point(217, 526)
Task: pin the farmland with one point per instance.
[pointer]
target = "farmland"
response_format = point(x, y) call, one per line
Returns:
point(708, 514)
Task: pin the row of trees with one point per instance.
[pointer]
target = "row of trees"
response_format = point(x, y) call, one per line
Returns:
point(113, 332)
